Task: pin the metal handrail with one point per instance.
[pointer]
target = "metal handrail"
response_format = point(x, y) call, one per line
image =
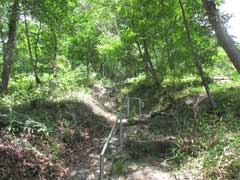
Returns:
point(105, 146)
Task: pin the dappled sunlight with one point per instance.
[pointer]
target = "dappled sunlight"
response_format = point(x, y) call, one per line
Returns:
point(119, 89)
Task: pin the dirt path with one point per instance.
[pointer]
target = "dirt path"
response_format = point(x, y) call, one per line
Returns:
point(95, 106)
point(77, 148)
point(85, 156)
point(148, 168)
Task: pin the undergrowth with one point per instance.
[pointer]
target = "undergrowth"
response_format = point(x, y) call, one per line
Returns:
point(46, 120)
point(209, 142)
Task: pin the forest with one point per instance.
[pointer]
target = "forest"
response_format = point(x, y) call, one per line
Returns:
point(118, 89)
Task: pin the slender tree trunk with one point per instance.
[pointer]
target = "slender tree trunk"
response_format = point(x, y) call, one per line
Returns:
point(88, 63)
point(196, 58)
point(88, 72)
point(10, 46)
point(37, 79)
point(103, 69)
point(147, 68)
point(89, 59)
point(36, 51)
point(3, 43)
point(168, 47)
point(147, 59)
point(54, 57)
point(142, 55)
point(2, 40)
point(159, 62)
point(172, 66)
point(223, 37)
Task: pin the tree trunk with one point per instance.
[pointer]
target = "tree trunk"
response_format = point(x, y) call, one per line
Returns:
point(147, 69)
point(3, 42)
point(196, 58)
point(223, 37)
point(37, 79)
point(89, 59)
point(147, 59)
point(54, 57)
point(102, 69)
point(36, 51)
point(172, 66)
point(10, 46)
point(2, 39)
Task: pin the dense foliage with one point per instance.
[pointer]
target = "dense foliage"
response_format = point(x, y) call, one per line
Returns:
point(161, 51)
point(116, 40)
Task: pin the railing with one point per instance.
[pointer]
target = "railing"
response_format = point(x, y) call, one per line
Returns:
point(139, 106)
point(104, 150)
point(121, 136)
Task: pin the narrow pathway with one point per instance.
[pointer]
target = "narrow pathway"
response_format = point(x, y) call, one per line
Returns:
point(148, 168)
point(95, 106)
point(86, 154)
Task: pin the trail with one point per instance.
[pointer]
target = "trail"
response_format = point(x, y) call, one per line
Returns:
point(151, 170)
point(146, 167)
point(86, 154)
point(95, 106)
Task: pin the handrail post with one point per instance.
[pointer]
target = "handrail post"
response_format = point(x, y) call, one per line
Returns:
point(140, 107)
point(128, 108)
point(121, 133)
point(101, 167)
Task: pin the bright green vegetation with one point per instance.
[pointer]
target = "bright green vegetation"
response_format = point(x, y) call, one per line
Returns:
point(138, 48)
point(119, 165)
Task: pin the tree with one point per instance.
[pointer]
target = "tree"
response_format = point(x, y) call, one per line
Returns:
point(223, 37)
point(196, 58)
point(29, 44)
point(10, 45)
point(82, 47)
point(144, 19)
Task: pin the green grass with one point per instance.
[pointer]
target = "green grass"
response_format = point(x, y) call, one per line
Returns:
point(120, 165)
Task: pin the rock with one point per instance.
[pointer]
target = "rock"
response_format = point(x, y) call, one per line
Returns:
point(79, 174)
point(95, 162)
point(91, 177)
point(94, 156)
point(164, 164)
point(154, 146)
point(73, 173)
point(96, 141)
point(147, 170)
point(137, 176)
point(132, 168)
